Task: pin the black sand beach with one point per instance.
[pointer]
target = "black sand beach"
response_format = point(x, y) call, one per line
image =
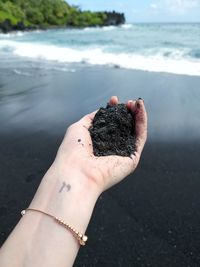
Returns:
point(151, 218)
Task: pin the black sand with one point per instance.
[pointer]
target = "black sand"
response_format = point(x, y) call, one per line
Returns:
point(113, 132)
point(151, 218)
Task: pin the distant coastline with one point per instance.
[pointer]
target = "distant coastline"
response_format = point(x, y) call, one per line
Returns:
point(24, 15)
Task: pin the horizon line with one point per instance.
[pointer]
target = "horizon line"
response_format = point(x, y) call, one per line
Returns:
point(166, 22)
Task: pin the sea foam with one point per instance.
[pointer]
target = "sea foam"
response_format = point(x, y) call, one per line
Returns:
point(175, 61)
point(127, 26)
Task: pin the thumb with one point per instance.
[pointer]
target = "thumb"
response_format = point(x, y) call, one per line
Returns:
point(86, 121)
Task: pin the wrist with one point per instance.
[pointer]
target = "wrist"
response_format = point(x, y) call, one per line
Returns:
point(67, 194)
point(73, 174)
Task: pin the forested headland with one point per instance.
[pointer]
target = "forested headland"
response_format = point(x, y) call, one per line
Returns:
point(44, 14)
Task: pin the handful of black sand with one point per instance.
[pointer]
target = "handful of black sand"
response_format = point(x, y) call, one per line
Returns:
point(112, 131)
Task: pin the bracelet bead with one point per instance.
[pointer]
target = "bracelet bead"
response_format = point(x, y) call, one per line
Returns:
point(80, 237)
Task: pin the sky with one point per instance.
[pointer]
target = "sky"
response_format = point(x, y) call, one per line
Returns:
point(147, 10)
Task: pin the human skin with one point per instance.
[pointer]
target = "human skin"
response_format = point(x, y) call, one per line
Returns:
point(69, 190)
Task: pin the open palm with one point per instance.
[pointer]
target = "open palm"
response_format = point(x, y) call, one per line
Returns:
point(76, 149)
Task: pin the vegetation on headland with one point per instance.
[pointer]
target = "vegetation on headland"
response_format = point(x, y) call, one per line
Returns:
point(43, 14)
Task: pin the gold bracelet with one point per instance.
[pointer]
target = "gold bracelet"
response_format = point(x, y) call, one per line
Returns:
point(80, 237)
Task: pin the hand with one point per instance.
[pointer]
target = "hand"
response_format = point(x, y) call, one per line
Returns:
point(76, 151)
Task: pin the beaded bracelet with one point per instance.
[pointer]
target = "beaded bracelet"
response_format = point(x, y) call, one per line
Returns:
point(80, 237)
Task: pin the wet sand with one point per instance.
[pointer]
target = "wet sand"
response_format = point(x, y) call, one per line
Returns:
point(151, 218)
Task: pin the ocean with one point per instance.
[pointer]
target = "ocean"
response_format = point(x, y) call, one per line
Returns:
point(169, 48)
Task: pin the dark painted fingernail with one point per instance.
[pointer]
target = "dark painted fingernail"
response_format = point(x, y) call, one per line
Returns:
point(138, 105)
point(140, 99)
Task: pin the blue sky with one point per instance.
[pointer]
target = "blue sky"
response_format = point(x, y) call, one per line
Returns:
point(147, 10)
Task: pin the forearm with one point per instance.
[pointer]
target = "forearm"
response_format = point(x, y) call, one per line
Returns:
point(38, 240)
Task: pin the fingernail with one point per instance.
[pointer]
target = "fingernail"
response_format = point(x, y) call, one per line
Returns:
point(138, 103)
point(129, 102)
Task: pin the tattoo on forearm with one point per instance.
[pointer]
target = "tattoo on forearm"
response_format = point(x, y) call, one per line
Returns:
point(64, 185)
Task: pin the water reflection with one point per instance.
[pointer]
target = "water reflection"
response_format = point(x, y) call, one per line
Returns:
point(51, 100)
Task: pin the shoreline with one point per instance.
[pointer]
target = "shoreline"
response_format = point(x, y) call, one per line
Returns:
point(56, 28)
point(26, 92)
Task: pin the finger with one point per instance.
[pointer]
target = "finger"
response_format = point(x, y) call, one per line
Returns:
point(86, 121)
point(128, 104)
point(113, 101)
point(131, 105)
point(140, 125)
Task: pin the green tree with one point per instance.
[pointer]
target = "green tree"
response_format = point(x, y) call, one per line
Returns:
point(49, 13)
point(34, 16)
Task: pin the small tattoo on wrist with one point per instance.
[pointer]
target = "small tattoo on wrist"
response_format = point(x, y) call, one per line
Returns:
point(64, 185)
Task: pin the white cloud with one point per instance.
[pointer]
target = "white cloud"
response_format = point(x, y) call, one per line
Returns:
point(175, 6)
point(153, 6)
point(181, 6)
